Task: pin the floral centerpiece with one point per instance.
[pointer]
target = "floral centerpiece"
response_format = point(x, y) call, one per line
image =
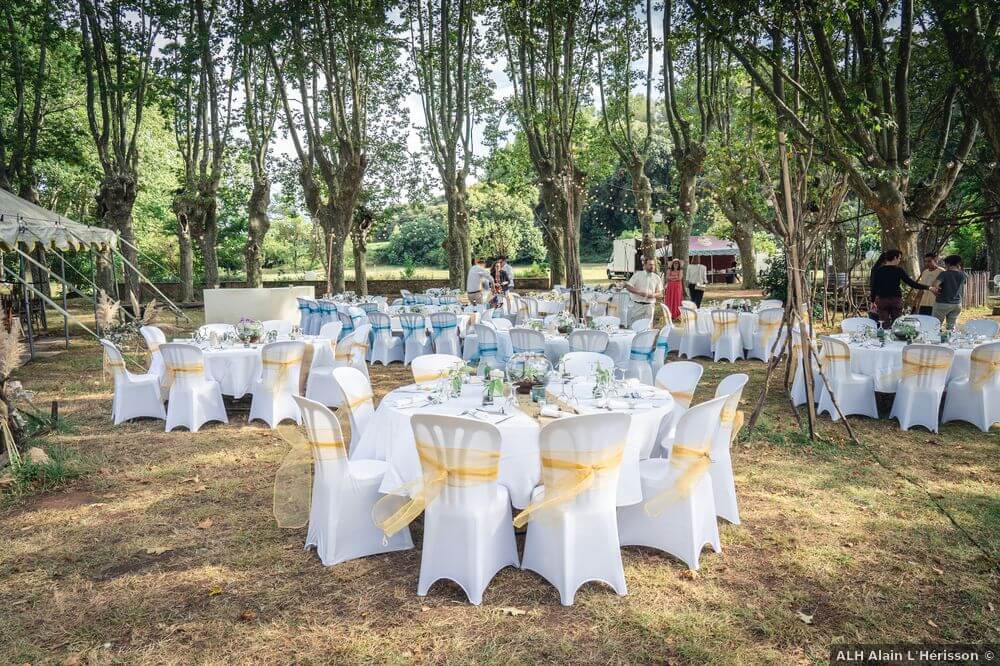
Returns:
point(564, 322)
point(493, 388)
point(528, 369)
point(457, 374)
point(249, 330)
point(602, 380)
point(905, 329)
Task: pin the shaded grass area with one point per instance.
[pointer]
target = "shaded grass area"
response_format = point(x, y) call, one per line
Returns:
point(167, 552)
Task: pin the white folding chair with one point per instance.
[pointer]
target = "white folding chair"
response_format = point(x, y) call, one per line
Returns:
point(205, 330)
point(343, 494)
point(194, 399)
point(677, 515)
point(527, 340)
point(857, 324)
point(468, 533)
point(330, 331)
point(721, 468)
point(986, 327)
point(280, 326)
point(928, 324)
point(770, 303)
point(766, 334)
point(640, 362)
point(585, 340)
point(854, 393)
point(359, 347)
point(608, 320)
point(445, 333)
point(154, 337)
point(727, 343)
point(975, 398)
point(923, 379)
point(572, 536)
point(695, 339)
point(581, 364)
point(357, 398)
point(433, 367)
point(681, 379)
point(281, 366)
point(662, 345)
point(640, 325)
point(135, 396)
point(386, 347)
point(416, 342)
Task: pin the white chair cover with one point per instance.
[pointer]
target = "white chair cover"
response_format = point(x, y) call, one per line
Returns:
point(727, 343)
point(696, 340)
point(854, 393)
point(445, 333)
point(975, 399)
point(357, 398)
point(281, 367)
point(527, 340)
point(640, 364)
point(855, 324)
point(415, 339)
point(135, 396)
point(923, 378)
point(386, 348)
point(721, 469)
point(681, 379)
point(433, 367)
point(194, 399)
point(154, 337)
point(767, 332)
point(585, 340)
point(581, 364)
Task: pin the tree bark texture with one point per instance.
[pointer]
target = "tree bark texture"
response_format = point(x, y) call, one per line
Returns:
point(258, 224)
point(115, 199)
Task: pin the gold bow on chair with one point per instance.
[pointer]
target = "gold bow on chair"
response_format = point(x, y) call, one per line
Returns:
point(109, 367)
point(281, 376)
point(915, 367)
point(360, 400)
point(982, 368)
point(692, 462)
point(293, 480)
point(831, 357)
point(566, 474)
point(733, 418)
point(431, 376)
point(173, 370)
point(720, 327)
point(683, 397)
point(441, 466)
point(769, 329)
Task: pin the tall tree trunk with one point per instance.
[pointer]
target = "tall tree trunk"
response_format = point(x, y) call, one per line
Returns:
point(689, 165)
point(897, 234)
point(743, 237)
point(991, 199)
point(186, 261)
point(573, 197)
point(360, 270)
point(335, 270)
point(115, 199)
point(643, 192)
point(841, 253)
point(208, 239)
point(551, 220)
point(458, 242)
point(257, 227)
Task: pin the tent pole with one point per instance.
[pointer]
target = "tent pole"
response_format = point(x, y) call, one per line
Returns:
point(114, 276)
point(27, 308)
point(62, 275)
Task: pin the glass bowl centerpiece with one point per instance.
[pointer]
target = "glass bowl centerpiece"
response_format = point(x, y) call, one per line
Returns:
point(249, 330)
point(564, 322)
point(906, 329)
point(528, 369)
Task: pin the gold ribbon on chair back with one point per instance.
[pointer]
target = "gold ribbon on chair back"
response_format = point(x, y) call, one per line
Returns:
point(173, 370)
point(683, 397)
point(293, 480)
point(110, 367)
point(983, 366)
point(921, 367)
point(566, 474)
point(283, 368)
point(441, 466)
point(830, 356)
point(431, 376)
point(357, 401)
point(768, 329)
point(338, 355)
point(692, 461)
point(721, 325)
point(733, 418)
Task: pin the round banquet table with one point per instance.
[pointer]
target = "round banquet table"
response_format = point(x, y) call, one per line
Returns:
point(546, 307)
point(619, 346)
point(885, 364)
point(389, 437)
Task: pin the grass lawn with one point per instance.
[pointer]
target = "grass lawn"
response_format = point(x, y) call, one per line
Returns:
point(165, 551)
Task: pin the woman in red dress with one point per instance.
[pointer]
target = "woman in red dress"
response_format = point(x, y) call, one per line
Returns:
point(674, 293)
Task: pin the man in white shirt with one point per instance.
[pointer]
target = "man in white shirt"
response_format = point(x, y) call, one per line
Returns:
point(478, 281)
point(696, 278)
point(645, 288)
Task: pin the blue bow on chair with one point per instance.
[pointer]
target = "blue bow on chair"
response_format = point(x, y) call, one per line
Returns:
point(409, 329)
point(642, 354)
point(487, 350)
point(441, 328)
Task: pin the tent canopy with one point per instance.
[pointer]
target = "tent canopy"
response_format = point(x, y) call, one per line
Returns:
point(700, 246)
point(25, 224)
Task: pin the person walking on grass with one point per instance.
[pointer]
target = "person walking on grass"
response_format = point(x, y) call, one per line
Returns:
point(948, 288)
point(886, 293)
point(645, 288)
point(478, 281)
point(924, 300)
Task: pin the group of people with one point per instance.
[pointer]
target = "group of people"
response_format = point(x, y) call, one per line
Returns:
point(489, 282)
point(938, 290)
point(646, 287)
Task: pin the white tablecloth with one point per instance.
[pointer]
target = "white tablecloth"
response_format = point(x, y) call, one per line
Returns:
point(237, 368)
point(885, 364)
point(390, 437)
point(747, 326)
point(619, 346)
point(550, 307)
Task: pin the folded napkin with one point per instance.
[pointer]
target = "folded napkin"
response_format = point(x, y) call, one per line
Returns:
point(623, 405)
point(407, 403)
point(551, 411)
point(489, 417)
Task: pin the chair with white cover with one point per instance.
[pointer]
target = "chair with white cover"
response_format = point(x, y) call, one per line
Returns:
point(468, 532)
point(721, 469)
point(194, 399)
point(501, 323)
point(327, 355)
point(206, 330)
point(281, 365)
point(608, 320)
point(696, 339)
point(640, 362)
point(527, 340)
point(358, 399)
point(581, 364)
point(798, 392)
point(327, 313)
point(587, 340)
point(857, 324)
point(305, 316)
point(854, 393)
point(445, 333)
point(928, 325)
point(975, 399)
point(681, 379)
point(343, 494)
point(766, 334)
point(330, 331)
point(359, 347)
point(986, 327)
point(154, 337)
point(386, 347)
point(640, 325)
point(677, 514)
point(769, 303)
point(346, 321)
point(135, 396)
point(527, 310)
point(922, 382)
point(280, 326)
point(572, 536)
point(416, 342)
point(727, 343)
point(662, 345)
point(689, 304)
point(433, 367)
point(487, 348)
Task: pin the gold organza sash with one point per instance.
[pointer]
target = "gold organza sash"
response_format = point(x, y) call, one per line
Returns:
point(174, 370)
point(918, 367)
point(431, 376)
point(691, 461)
point(293, 480)
point(683, 397)
point(566, 474)
point(720, 326)
point(832, 356)
point(733, 418)
point(281, 374)
point(110, 367)
point(982, 368)
point(357, 401)
point(768, 329)
point(441, 466)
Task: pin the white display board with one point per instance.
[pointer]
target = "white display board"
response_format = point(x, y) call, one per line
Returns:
point(227, 306)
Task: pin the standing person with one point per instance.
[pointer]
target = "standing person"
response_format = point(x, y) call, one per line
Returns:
point(675, 287)
point(500, 283)
point(925, 299)
point(509, 272)
point(886, 294)
point(478, 281)
point(644, 288)
point(697, 278)
point(948, 287)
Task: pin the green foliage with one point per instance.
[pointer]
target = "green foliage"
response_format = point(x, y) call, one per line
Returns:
point(773, 280)
point(30, 477)
point(502, 223)
point(418, 239)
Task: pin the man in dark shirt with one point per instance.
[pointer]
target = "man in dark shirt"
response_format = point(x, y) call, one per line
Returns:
point(948, 287)
point(886, 293)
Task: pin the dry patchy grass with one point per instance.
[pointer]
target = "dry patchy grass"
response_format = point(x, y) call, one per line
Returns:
point(166, 552)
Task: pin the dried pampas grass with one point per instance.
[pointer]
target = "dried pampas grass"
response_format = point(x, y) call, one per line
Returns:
point(107, 310)
point(150, 313)
point(11, 349)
